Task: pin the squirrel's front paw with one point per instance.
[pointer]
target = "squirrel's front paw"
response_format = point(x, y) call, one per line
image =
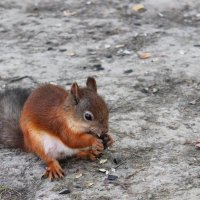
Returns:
point(93, 150)
point(97, 149)
point(53, 171)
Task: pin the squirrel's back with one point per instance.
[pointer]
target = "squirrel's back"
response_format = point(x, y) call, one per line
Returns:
point(11, 104)
point(44, 108)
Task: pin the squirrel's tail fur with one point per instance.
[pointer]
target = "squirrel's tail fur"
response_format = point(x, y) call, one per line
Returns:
point(11, 104)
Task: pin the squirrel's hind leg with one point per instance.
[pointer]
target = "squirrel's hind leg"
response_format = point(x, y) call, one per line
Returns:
point(35, 143)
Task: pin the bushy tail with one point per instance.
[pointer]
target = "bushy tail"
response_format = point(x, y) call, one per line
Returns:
point(11, 104)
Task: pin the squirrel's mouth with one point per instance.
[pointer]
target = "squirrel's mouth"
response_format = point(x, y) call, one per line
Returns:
point(98, 132)
point(95, 132)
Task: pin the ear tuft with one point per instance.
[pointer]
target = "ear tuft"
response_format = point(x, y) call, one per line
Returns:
point(75, 91)
point(91, 84)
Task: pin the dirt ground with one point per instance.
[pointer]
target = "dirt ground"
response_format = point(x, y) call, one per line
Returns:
point(154, 102)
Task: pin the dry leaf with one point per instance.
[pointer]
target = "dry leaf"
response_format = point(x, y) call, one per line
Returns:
point(193, 102)
point(102, 161)
point(138, 7)
point(144, 55)
point(78, 175)
point(89, 183)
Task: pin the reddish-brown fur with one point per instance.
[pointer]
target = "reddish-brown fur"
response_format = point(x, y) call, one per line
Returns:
point(44, 112)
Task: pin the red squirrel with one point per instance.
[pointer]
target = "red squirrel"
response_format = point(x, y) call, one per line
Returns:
point(57, 123)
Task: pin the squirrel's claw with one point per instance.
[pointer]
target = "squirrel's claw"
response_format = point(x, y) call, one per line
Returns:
point(53, 171)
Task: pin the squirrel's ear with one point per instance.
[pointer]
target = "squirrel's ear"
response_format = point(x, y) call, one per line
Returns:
point(75, 91)
point(91, 84)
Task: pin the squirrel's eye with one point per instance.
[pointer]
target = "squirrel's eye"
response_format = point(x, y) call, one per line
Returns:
point(88, 116)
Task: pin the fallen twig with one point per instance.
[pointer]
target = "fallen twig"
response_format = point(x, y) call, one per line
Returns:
point(120, 164)
point(15, 79)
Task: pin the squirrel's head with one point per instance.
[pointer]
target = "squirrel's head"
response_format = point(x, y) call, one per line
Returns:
point(89, 112)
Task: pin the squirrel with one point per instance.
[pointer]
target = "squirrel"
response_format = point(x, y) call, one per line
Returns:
point(55, 123)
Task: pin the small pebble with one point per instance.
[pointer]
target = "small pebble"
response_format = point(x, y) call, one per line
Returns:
point(155, 90)
point(144, 55)
point(78, 175)
point(62, 49)
point(78, 186)
point(128, 71)
point(98, 67)
point(107, 46)
point(137, 24)
point(150, 196)
point(108, 55)
point(49, 48)
point(145, 90)
point(102, 161)
point(182, 52)
point(102, 170)
point(112, 177)
point(174, 126)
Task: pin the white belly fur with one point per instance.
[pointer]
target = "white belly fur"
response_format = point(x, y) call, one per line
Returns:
point(55, 147)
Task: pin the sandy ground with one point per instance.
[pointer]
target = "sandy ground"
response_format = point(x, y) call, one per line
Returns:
point(154, 102)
